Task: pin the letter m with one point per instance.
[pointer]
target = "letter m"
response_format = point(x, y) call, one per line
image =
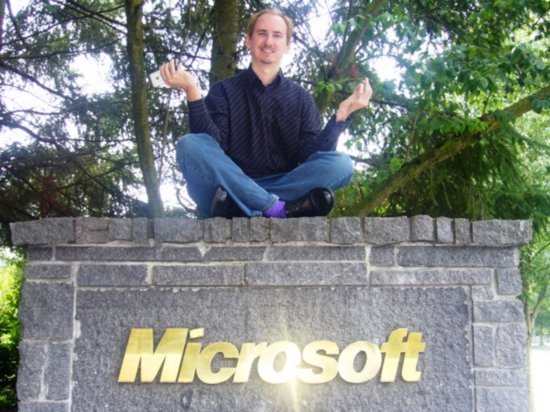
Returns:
point(139, 352)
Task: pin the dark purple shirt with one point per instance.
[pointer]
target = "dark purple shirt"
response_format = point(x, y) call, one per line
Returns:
point(265, 129)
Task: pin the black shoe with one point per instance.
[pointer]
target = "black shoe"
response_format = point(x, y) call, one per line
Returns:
point(318, 202)
point(224, 206)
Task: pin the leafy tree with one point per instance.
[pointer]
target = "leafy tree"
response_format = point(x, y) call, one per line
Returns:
point(535, 268)
point(11, 274)
point(71, 158)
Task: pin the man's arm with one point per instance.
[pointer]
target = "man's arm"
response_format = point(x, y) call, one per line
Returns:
point(326, 140)
point(178, 77)
point(205, 115)
point(359, 99)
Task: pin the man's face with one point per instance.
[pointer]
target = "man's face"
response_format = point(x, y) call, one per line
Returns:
point(268, 42)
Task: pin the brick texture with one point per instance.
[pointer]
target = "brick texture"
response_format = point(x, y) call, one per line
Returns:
point(85, 271)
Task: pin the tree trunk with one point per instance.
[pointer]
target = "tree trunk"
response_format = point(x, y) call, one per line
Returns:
point(449, 149)
point(225, 22)
point(140, 109)
point(2, 14)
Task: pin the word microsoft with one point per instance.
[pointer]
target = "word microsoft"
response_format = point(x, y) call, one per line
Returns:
point(179, 358)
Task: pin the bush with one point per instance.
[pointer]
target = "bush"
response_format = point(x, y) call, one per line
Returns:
point(11, 275)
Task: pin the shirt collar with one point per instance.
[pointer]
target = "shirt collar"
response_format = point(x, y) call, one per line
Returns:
point(253, 80)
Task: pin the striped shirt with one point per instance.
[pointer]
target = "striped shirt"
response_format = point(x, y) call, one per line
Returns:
point(265, 129)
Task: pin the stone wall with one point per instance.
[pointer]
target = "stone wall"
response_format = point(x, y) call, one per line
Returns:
point(90, 281)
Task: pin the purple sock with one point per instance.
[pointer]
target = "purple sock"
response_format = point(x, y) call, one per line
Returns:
point(277, 210)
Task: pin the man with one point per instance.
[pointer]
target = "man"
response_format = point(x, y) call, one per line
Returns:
point(257, 146)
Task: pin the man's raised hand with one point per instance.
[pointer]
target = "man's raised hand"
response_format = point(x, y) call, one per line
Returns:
point(178, 77)
point(359, 99)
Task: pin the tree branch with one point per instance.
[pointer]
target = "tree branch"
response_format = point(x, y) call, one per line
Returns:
point(74, 159)
point(33, 80)
point(449, 149)
point(538, 305)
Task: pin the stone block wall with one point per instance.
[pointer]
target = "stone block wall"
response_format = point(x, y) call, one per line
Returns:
point(90, 280)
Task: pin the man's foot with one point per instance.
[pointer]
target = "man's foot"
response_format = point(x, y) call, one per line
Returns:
point(318, 202)
point(224, 206)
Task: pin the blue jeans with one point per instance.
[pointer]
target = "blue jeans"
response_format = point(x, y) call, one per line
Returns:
point(205, 166)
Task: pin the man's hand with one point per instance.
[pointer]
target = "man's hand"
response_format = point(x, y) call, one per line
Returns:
point(359, 98)
point(178, 77)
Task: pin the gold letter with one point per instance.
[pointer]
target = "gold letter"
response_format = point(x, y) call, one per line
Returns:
point(204, 369)
point(392, 349)
point(140, 349)
point(328, 365)
point(372, 363)
point(190, 362)
point(249, 353)
point(191, 357)
point(414, 347)
point(266, 363)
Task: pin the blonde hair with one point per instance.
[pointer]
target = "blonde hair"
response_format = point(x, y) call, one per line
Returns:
point(275, 12)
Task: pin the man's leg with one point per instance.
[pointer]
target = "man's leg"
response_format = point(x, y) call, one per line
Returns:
point(205, 167)
point(331, 170)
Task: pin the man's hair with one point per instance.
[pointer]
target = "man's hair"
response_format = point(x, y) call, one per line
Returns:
point(275, 12)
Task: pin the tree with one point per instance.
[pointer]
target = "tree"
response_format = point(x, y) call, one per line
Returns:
point(140, 109)
point(69, 158)
point(469, 71)
point(225, 32)
point(11, 276)
point(535, 269)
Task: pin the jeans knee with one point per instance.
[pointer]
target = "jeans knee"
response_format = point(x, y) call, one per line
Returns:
point(337, 164)
point(344, 164)
point(188, 143)
point(331, 169)
point(190, 147)
point(336, 168)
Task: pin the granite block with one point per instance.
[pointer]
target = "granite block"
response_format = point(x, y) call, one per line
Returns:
point(382, 256)
point(316, 253)
point(91, 230)
point(422, 228)
point(34, 271)
point(511, 345)
point(509, 281)
point(195, 275)
point(57, 377)
point(112, 275)
point(240, 230)
point(46, 311)
point(498, 311)
point(463, 234)
point(381, 231)
point(43, 232)
point(216, 230)
point(310, 273)
point(32, 358)
point(313, 229)
point(177, 230)
point(502, 232)
point(491, 399)
point(444, 230)
point(449, 256)
point(346, 230)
